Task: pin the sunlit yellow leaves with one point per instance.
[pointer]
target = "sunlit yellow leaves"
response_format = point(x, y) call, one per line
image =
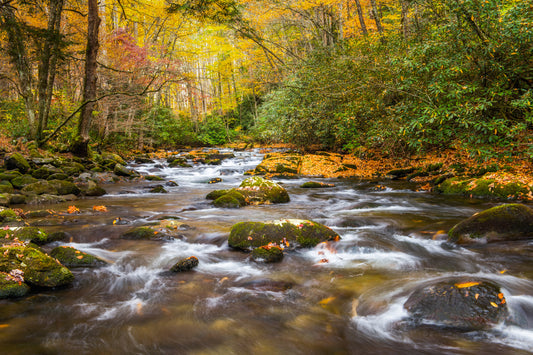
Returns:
point(100, 208)
point(466, 284)
point(326, 301)
point(73, 209)
point(494, 305)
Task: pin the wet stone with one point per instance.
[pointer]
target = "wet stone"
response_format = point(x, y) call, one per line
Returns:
point(185, 264)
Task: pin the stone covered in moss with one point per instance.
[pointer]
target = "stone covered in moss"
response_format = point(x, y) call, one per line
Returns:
point(93, 189)
point(31, 234)
point(227, 201)
point(464, 304)
point(315, 185)
point(16, 161)
point(185, 264)
point(11, 287)
point(181, 162)
point(257, 190)
point(7, 215)
point(40, 270)
point(291, 233)
point(65, 187)
point(213, 195)
point(496, 185)
point(121, 170)
point(159, 189)
point(40, 187)
point(153, 178)
point(161, 231)
point(72, 168)
point(21, 181)
point(268, 254)
point(45, 171)
point(505, 222)
point(73, 258)
point(10, 175)
point(6, 187)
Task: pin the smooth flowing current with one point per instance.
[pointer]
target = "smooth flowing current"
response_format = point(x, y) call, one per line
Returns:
point(346, 298)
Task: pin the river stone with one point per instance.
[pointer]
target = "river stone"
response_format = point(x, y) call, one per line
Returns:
point(121, 170)
point(31, 234)
point(502, 223)
point(159, 189)
point(6, 187)
point(21, 181)
point(93, 189)
point(185, 264)
point(7, 215)
point(4, 200)
point(288, 233)
point(464, 304)
point(145, 233)
point(16, 161)
point(40, 187)
point(72, 168)
point(39, 269)
point(65, 187)
point(10, 175)
point(315, 185)
point(73, 258)
point(143, 160)
point(268, 254)
point(12, 287)
point(257, 190)
point(45, 171)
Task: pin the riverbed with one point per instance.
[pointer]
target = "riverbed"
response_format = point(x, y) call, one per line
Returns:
point(340, 298)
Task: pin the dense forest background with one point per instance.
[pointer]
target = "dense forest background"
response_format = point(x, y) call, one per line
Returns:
point(402, 76)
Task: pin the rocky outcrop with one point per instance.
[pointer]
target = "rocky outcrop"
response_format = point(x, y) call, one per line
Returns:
point(16, 161)
point(464, 304)
point(287, 234)
point(501, 223)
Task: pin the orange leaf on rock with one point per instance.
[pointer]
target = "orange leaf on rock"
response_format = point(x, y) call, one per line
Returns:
point(73, 209)
point(466, 284)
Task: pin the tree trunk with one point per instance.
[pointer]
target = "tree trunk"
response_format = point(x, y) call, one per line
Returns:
point(80, 146)
point(47, 65)
point(375, 14)
point(361, 18)
point(405, 19)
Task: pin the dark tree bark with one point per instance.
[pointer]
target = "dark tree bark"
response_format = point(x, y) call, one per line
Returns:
point(361, 18)
point(375, 14)
point(80, 145)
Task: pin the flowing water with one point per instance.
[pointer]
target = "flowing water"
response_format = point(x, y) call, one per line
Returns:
point(345, 298)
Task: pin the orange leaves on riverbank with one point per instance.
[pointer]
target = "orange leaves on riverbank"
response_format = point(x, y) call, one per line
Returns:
point(73, 209)
point(100, 208)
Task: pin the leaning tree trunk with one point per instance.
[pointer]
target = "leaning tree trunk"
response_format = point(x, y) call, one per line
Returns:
point(375, 14)
point(80, 146)
point(361, 18)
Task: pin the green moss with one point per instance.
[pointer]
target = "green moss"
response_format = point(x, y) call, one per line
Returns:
point(6, 187)
point(505, 222)
point(315, 185)
point(21, 181)
point(40, 188)
point(73, 258)
point(32, 234)
point(140, 233)
point(16, 161)
point(65, 187)
point(39, 269)
point(290, 233)
point(454, 186)
point(268, 254)
point(8, 215)
point(258, 190)
point(10, 287)
point(10, 175)
point(226, 201)
point(153, 178)
point(213, 195)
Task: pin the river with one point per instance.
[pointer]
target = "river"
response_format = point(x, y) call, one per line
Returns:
point(345, 299)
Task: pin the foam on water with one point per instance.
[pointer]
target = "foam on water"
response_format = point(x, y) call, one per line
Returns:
point(382, 325)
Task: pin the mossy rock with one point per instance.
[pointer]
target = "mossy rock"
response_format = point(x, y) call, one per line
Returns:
point(59, 176)
point(213, 195)
point(24, 180)
point(185, 264)
point(153, 178)
point(159, 189)
point(8, 215)
point(12, 287)
point(40, 187)
point(73, 258)
point(290, 233)
point(121, 170)
point(10, 175)
point(491, 185)
point(31, 234)
point(15, 199)
point(400, 173)
point(93, 189)
point(45, 171)
point(4, 200)
point(466, 304)
point(144, 233)
point(315, 185)
point(6, 187)
point(73, 168)
point(65, 187)
point(257, 190)
point(16, 161)
point(40, 270)
point(501, 223)
point(268, 254)
point(143, 160)
point(113, 157)
point(227, 201)
point(181, 162)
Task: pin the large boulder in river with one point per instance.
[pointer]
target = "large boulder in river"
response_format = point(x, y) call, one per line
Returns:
point(38, 269)
point(11, 286)
point(16, 161)
point(252, 191)
point(501, 223)
point(288, 233)
point(463, 304)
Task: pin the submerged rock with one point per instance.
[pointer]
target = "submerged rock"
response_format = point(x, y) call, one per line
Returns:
point(185, 264)
point(464, 304)
point(40, 270)
point(501, 223)
point(121, 170)
point(289, 233)
point(73, 258)
point(252, 191)
point(315, 185)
